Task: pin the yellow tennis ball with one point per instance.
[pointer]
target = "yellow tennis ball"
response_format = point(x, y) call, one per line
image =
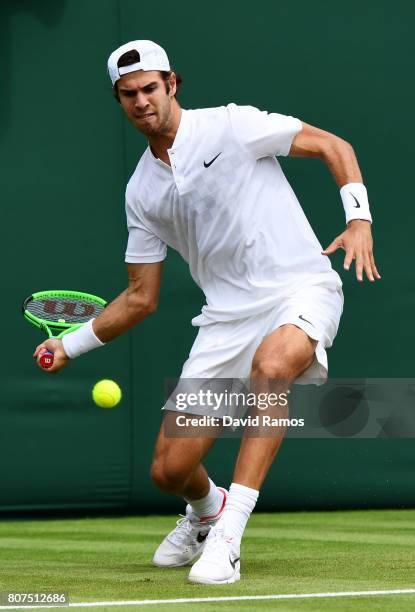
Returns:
point(106, 393)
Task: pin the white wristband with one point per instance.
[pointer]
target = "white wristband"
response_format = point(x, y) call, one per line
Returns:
point(81, 341)
point(355, 202)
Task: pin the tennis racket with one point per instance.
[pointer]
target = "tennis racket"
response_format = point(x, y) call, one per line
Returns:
point(60, 312)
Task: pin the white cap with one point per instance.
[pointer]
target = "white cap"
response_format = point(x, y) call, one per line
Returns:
point(152, 57)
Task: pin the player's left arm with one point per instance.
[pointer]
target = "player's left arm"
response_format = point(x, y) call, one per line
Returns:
point(341, 160)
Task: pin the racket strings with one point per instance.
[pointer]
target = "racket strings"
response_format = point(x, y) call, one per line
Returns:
point(64, 309)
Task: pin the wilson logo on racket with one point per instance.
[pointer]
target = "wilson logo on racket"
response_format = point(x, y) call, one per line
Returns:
point(72, 309)
point(50, 311)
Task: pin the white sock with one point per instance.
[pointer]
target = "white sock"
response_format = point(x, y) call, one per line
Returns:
point(210, 506)
point(239, 505)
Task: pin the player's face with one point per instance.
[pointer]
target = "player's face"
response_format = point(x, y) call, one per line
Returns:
point(146, 102)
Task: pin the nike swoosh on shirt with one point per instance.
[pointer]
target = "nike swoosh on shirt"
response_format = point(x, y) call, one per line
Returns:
point(302, 318)
point(356, 200)
point(206, 165)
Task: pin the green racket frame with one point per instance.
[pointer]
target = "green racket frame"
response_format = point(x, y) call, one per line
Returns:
point(53, 327)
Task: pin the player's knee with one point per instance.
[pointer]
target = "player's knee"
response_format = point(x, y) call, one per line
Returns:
point(168, 477)
point(271, 369)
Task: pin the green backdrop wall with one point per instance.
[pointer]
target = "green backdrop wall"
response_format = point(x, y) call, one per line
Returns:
point(66, 154)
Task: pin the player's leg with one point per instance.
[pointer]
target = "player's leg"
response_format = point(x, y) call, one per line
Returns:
point(279, 360)
point(177, 469)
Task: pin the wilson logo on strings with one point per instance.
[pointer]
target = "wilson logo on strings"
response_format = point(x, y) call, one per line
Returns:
point(68, 308)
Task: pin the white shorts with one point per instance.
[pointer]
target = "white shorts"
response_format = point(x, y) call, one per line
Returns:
point(226, 349)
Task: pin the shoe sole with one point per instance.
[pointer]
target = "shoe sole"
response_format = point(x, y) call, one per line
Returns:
point(203, 580)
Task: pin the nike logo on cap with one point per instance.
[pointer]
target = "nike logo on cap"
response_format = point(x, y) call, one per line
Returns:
point(356, 200)
point(206, 165)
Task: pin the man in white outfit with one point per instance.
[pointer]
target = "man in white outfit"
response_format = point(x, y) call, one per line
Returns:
point(209, 186)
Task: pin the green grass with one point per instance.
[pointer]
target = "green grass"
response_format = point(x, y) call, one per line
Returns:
point(96, 559)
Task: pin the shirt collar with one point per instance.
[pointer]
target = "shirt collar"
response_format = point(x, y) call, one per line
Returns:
point(182, 134)
point(183, 131)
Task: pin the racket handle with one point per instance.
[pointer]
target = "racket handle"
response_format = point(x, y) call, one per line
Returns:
point(46, 361)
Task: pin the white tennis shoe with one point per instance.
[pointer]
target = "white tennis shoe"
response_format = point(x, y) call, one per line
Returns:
point(220, 560)
point(182, 545)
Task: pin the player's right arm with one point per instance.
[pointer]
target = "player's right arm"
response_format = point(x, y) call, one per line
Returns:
point(139, 300)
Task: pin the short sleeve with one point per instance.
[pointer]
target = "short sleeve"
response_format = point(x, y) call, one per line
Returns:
point(263, 134)
point(143, 246)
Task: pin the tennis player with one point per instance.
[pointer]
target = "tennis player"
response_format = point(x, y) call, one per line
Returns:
point(209, 186)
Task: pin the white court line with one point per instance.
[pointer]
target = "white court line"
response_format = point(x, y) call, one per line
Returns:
point(148, 602)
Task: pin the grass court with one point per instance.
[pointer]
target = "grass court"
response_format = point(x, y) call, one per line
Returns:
point(108, 559)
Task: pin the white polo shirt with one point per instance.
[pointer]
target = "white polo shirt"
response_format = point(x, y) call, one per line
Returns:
point(225, 205)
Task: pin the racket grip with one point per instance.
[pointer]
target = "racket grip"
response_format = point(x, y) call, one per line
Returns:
point(46, 361)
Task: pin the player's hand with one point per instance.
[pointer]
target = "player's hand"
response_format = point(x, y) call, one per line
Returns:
point(357, 241)
point(60, 358)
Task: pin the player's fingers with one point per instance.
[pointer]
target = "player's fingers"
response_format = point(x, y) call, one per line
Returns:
point(368, 269)
point(374, 268)
point(41, 351)
point(37, 349)
point(40, 347)
point(336, 244)
point(350, 255)
point(359, 266)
